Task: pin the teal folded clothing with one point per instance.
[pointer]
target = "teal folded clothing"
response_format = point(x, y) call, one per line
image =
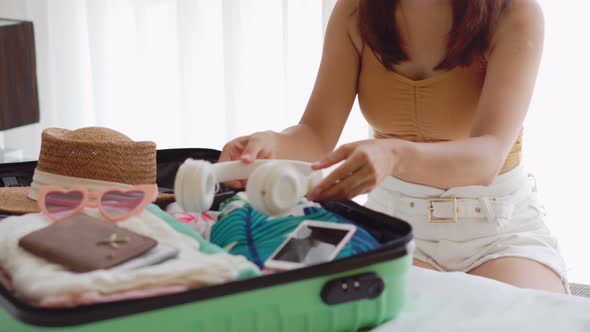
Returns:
point(254, 235)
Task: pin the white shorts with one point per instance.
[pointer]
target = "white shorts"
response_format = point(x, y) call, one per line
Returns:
point(461, 228)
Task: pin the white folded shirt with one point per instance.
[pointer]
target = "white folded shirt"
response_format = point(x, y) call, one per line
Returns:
point(34, 278)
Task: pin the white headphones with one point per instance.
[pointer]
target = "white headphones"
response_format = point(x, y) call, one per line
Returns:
point(274, 186)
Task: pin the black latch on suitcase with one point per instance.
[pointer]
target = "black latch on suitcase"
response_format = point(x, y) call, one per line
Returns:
point(353, 288)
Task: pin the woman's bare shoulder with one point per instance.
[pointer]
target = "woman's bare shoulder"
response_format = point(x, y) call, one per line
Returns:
point(348, 11)
point(524, 11)
point(351, 5)
point(352, 9)
point(521, 22)
point(521, 17)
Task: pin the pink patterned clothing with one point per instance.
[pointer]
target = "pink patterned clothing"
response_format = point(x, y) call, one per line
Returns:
point(199, 222)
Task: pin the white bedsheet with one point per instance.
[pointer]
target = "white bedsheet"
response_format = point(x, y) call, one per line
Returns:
point(460, 302)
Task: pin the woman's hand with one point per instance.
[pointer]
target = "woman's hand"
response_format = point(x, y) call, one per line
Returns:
point(261, 145)
point(367, 164)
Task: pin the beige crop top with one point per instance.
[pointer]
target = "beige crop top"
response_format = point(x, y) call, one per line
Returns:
point(440, 108)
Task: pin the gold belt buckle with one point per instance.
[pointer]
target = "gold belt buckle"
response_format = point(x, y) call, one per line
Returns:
point(443, 220)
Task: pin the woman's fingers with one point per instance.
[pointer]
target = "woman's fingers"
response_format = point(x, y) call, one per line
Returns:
point(251, 151)
point(234, 184)
point(340, 173)
point(233, 149)
point(342, 190)
point(258, 146)
point(265, 153)
point(225, 156)
point(362, 188)
point(246, 149)
point(346, 193)
point(333, 158)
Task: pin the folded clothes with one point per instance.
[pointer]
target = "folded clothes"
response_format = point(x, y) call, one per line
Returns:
point(88, 298)
point(157, 255)
point(205, 246)
point(256, 236)
point(36, 280)
point(199, 222)
point(68, 301)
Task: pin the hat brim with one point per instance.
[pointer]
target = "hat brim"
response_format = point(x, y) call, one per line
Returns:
point(15, 201)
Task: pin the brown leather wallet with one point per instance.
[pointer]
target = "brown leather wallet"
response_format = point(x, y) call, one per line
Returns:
point(82, 243)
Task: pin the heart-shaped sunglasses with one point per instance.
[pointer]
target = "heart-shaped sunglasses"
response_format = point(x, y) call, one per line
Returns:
point(115, 204)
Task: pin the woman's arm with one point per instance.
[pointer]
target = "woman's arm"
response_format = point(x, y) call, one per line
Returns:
point(331, 100)
point(513, 62)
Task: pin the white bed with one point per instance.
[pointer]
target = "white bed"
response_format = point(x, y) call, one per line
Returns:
point(460, 302)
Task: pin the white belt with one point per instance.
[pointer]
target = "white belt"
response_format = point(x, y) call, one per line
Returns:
point(451, 209)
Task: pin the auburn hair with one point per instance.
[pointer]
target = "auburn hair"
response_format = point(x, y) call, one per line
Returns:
point(469, 38)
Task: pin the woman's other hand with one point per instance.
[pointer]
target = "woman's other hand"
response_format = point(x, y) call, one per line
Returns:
point(366, 164)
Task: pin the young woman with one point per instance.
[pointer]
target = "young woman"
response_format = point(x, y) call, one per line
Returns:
point(446, 85)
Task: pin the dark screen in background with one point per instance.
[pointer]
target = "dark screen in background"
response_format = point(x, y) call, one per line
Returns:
point(316, 247)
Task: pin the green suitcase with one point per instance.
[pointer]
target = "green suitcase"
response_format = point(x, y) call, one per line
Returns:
point(357, 292)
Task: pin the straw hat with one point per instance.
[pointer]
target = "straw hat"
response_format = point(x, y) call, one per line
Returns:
point(93, 158)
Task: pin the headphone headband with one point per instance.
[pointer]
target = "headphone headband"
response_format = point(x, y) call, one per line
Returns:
point(273, 187)
point(237, 170)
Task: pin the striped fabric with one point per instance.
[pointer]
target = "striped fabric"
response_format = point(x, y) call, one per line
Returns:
point(254, 235)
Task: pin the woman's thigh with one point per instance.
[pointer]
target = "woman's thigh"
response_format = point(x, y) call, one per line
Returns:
point(521, 272)
point(424, 265)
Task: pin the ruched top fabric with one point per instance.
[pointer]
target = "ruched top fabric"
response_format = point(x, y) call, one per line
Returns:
point(436, 109)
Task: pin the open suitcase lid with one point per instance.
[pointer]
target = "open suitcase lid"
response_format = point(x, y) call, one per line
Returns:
point(394, 234)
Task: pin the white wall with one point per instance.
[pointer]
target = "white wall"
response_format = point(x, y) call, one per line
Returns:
point(557, 132)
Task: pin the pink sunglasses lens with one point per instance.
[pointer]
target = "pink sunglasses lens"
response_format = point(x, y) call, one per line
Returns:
point(118, 204)
point(61, 205)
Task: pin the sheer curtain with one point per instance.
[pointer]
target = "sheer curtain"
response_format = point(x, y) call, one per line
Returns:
point(198, 72)
point(557, 130)
point(178, 72)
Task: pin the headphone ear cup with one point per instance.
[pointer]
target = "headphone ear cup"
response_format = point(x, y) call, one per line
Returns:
point(275, 188)
point(194, 186)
